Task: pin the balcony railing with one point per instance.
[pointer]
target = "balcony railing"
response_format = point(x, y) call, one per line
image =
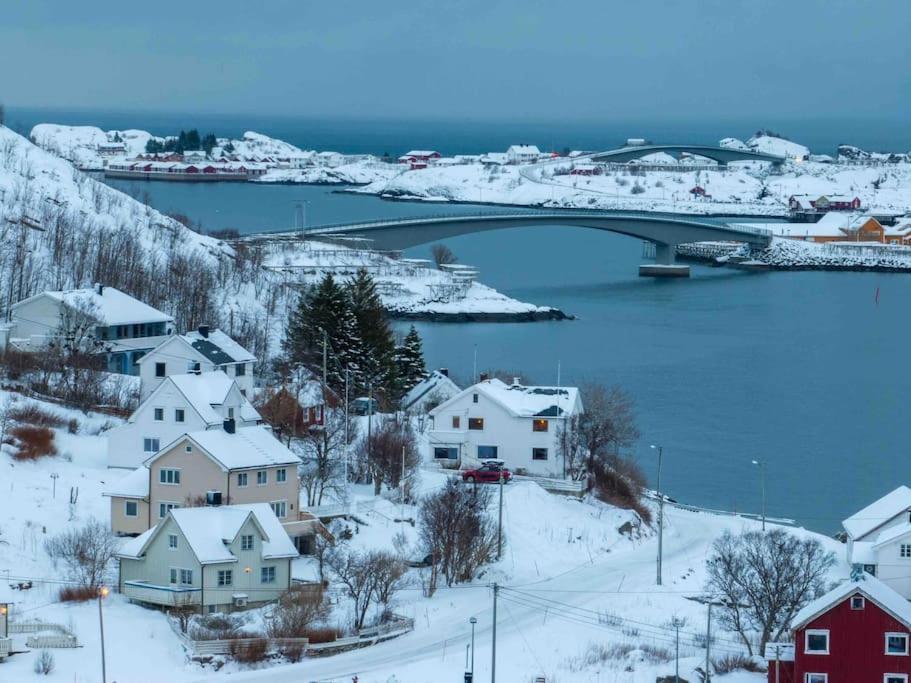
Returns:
point(171, 596)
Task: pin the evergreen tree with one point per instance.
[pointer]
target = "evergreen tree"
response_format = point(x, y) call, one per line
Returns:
point(409, 360)
point(377, 362)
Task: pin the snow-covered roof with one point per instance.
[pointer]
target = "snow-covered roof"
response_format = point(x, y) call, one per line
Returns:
point(111, 307)
point(525, 401)
point(523, 149)
point(421, 153)
point(864, 521)
point(208, 389)
point(225, 350)
point(436, 383)
point(870, 587)
point(862, 553)
point(132, 485)
point(210, 530)
point(890, 534)
point(247, 447)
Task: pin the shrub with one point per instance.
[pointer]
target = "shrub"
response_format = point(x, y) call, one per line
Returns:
point(326, 634)
point(293, 652)
point(33, 414)
point(31, 443)
point(618, 481)
point(44, 663)
point(87, 552)
point(250, 652)
point(637, 189)
point(296, 610)
point(77, 593)
point(731, 663)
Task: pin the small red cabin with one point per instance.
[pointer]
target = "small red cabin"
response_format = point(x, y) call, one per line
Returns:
point(859, 632)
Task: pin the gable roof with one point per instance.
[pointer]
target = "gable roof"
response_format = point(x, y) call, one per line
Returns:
point(892, 534)
point(111, 307)
point(436, 381)
point(870, 587)
point(220, 346)
point(209, 531)
point(878, 512)
point(133, 485)
point(247, 448)
point(202, 391)
point(523, 401)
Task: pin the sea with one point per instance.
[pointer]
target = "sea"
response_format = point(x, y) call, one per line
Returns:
point(806, 372)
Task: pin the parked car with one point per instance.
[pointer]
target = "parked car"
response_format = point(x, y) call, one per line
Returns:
point(488, 473)
point(364, 406)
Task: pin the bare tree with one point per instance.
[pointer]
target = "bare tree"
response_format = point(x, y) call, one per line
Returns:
point(87, 552)
point(765, 578)
point(388, 571)
point(384, 452)
point(442, 255)
point(183, 611)
point(322, 452)
point(296, 610)
point(455, 530)
point(352, 570)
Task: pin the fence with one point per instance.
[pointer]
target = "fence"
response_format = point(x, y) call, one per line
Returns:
point(226, 647)
point(341, 509)
point(52, 635)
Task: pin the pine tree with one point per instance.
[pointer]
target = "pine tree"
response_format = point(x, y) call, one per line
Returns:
point(377, 359)
point(409, 359)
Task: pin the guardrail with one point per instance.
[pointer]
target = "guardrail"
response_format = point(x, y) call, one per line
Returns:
point(728, 513)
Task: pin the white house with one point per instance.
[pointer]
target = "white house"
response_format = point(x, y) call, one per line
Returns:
point(180, 404)
point(194, 156)
point(430, 392)
point(214, 558)
point(125, 328)
point(203, 350)
point(517, 424)
point(879, 539)
point(522, 154)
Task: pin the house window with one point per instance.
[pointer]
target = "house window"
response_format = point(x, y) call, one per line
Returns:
point(225, 577)
point(241, 478)
point(262, 478)
point(172, 541)
point(169, 476)
point(904, 550)
point(173, 576)
point(159, 414)
point(188, 448)
point(474, 398)
point(240, 370)
point(179, 415)
point(131, 508)
point(150, 445)
point(895, 678)
point(164, 508)
point(267, 575)
point(279, 508)
point(896, 643)
point(816, 678)
point(476, 423)
point(816, 642)
point(230, 413)
point(445, 453)
point(857, 602)
point(281, 475)
point(870, 569)
point(539, 454)
point(246, 542)
point(539, 425)
point(160, 370)
point(487, 452)
point(186, 577)
point(456, 422)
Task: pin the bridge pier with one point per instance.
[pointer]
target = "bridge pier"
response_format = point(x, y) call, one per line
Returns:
point(664, 265)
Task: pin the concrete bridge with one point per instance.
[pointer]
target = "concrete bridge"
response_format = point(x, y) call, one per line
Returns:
point(720, 154)
point(665, 232)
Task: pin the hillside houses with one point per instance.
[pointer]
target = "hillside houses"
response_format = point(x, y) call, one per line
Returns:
point(847, 227)
point(514, 423)
point(180, 404)
point(108, 320)
point(430, 392)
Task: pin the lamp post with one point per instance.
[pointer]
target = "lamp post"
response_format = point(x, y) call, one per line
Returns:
point(472, 621)
point(102, 594)
point(761, 465)
point(660, 450)
point(54, 476)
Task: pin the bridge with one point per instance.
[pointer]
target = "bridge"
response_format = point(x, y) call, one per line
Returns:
point(665, 232)
point(722, 155)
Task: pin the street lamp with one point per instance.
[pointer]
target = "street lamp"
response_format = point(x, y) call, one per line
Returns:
point(472, 621)
point(761, 465)
point(660, 450)
point(102, 594)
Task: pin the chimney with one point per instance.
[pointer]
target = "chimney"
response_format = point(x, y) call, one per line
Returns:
point(444, 372)
point(197, 369)
point(483, 377)
point(99, 288)
point(229, 425)
point(204, 331)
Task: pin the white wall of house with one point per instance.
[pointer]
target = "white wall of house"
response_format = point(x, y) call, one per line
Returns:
point(127, 444)
point(36, 320)
point(893, 569)
point(179, 357)
point(513, 436)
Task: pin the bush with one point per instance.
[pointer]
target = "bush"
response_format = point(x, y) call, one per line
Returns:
point(31, 443)
point(250, 652)
point(296, 610)
point(325, 634)
point(637, 189)
point(77, 594)
point(33, 414)
point(731, 663)
point(44, 663)
point(618, 481)
point(293, 652)
point(87, 552)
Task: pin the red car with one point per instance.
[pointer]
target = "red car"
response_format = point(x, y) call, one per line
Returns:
point(488, 473)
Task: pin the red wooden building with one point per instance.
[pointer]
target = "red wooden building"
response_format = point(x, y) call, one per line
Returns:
point(858, 632)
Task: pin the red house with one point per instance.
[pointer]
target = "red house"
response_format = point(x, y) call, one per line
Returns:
point(858, 632)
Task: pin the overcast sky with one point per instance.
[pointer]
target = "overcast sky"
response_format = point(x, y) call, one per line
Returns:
point(484, 59)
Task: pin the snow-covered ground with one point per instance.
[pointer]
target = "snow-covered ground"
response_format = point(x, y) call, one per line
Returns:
point(578, 601)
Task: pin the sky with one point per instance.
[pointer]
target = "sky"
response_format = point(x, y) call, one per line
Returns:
point(479, 59)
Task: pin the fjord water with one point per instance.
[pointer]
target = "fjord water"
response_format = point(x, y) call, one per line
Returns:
point(802, 370)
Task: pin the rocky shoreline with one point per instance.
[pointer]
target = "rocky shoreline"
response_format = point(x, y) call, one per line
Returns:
point(481, 317)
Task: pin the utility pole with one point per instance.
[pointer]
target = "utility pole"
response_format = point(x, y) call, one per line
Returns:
point(474, 621)
point(102, 593)
point(325, 368)
point(402, 484)
point(761, 465)
point(660, 450)
point(709, 603)
point(676, 623)
point(493, 656)
point(54, 476)
point(345, 451)
point(500, 521)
